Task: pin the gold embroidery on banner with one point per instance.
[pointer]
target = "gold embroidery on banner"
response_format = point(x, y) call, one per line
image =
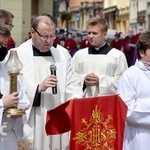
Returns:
point(97, 132)
point(25, 144)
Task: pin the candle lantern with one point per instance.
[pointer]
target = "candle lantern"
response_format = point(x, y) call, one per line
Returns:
point(13, 66)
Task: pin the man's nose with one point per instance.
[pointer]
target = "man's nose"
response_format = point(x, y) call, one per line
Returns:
point(90, 35)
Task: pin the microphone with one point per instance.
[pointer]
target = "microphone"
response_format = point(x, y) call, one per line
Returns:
point(53, 72)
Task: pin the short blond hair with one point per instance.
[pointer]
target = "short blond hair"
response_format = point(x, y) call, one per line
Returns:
point(101, 22)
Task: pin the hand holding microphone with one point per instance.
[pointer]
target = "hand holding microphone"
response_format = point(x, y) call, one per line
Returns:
point(53, 72)
point(49, 81)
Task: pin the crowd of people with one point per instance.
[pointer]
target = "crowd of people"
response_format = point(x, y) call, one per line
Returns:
point(72, 44)
point(127, 44)
point(93, 69)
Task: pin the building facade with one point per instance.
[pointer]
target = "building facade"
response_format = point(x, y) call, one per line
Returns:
point(24, 11)
point(122, 20)
point(147, 18)
point(138, 10)
point(82, 11)
point(116, 13)
point(119, 14)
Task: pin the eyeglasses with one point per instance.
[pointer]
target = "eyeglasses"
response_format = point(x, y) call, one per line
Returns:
point(45, 36)
point(9, 24)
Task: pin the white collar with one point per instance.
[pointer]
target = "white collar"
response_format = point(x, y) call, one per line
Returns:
point(97, 48)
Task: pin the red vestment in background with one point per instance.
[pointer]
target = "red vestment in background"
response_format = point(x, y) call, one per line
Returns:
point(117, 44)
point(57, 41)
point(71, 46)
point(84, 43)
point(128, 50)
point(135, 38)
point(10, 43)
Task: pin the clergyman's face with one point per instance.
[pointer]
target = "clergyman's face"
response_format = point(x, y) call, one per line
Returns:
point(43, 36)
point(96, 36)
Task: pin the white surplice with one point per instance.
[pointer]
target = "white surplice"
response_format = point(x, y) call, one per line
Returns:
point(35, 69)
point(11, 129)
point(134, 89)
point(108, 67)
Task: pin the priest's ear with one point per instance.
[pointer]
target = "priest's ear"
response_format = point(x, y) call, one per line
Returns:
point(142, 53)
point(104, 34)
point(32, 31)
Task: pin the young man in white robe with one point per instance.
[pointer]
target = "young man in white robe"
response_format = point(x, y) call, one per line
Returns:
point(11, 127)
point(134, 89)
point(37, 55)
point(100, 66)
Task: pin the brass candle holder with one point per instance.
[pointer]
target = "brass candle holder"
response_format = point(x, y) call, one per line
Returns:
point(13, 66)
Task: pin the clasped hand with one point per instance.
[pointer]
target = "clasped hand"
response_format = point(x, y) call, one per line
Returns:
point(91, 79)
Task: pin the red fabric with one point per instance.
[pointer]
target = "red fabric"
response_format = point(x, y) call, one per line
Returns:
point(10, 43)
point(129, 51)
point(89, 122)
point(57, 41)
point(55, 125)
point(84, 44)
point(70, 44)
point(126, 41)
point(135, 39)
point(117, 44)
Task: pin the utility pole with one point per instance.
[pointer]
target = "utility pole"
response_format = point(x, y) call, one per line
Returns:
point(67, 6)
point(93, 8)
point(137, 15)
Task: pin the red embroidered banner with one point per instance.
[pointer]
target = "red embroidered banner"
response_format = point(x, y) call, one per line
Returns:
point(96, 123)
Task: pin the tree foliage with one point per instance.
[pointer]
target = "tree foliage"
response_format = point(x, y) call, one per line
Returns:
point(66, 16)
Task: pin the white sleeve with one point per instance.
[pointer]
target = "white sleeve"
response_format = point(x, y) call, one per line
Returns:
point(138, 106)
point(24, 102)
point(1, 111)
point(18, 127)
point(19, 122)
point(73, 87)
point(109, 83)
